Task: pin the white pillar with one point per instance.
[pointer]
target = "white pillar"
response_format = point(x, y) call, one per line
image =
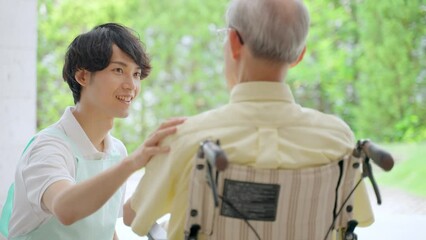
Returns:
point(18, 49)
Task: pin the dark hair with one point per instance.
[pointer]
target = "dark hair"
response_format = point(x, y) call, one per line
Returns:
point(92, 51)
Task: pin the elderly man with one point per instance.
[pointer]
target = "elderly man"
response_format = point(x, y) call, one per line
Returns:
point(262, 126)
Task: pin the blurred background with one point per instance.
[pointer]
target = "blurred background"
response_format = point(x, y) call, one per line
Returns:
point(365, 62)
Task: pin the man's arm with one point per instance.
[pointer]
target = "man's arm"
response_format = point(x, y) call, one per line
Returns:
point(128, 213)
point(115, 236)
point(71, 202)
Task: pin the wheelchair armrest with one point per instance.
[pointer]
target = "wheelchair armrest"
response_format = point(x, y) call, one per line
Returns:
point(157, 232)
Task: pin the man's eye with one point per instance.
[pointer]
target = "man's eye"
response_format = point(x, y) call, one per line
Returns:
point(118, 70)
point(138, 75)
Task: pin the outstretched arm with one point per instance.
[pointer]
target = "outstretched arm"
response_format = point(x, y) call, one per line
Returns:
point(71, 202)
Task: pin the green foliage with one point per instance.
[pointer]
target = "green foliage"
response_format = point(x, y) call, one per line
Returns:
point(410, 168)
point(392, 84)
point(365, 62)
point(324, 80)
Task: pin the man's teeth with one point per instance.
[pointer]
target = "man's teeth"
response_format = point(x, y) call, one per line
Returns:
point(126, 99)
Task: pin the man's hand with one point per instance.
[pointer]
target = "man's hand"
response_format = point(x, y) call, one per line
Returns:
point(152, 146)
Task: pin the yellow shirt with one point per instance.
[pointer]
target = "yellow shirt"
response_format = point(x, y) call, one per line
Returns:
point(262, 126)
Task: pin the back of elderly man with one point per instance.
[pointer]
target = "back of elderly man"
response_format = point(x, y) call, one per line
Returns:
point(262, 126)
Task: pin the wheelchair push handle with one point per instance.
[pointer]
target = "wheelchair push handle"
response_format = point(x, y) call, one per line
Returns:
point(369, 151)
point(214, 155)
point(379, 156)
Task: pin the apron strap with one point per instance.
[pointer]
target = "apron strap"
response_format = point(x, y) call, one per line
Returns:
point(8, 206)
point(52, 131)
point(7, 211)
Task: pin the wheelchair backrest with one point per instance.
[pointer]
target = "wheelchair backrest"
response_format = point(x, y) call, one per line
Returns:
point(271, 203)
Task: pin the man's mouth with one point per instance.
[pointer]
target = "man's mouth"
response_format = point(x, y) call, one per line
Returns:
point(125, 99)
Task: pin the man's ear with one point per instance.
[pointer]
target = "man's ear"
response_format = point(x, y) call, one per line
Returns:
point(302, 54)
point(82, 77)
point(235, 43)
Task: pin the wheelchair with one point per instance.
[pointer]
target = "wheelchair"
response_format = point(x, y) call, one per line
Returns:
point(239, 202)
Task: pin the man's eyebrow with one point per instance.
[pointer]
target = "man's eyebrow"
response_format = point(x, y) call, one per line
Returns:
point(122, 64)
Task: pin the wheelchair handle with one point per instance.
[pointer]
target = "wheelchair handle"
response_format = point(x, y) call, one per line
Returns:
point(369, 151)
point(379, 156)
point(215, 155)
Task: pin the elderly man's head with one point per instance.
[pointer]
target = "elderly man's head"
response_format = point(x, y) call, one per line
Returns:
point(275, 30)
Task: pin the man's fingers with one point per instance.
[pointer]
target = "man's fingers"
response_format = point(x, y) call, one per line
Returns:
point(151, 145)
point(159, 135)
point(151, 151)
point(172, 122)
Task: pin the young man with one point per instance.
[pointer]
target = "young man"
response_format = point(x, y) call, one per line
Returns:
point(69, 181)
point(262, 126)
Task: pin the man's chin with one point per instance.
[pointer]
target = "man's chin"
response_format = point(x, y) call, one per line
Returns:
point(123, 115)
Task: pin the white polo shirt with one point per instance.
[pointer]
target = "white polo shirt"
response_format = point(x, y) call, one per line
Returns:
point(49, 159)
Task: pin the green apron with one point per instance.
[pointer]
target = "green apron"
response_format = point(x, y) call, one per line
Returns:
point(7, 211)
point(101, 224)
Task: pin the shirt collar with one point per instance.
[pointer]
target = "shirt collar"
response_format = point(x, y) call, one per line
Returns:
point(261, 91)
point(75, 132)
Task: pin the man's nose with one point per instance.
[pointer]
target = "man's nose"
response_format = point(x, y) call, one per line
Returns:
point(129, 82)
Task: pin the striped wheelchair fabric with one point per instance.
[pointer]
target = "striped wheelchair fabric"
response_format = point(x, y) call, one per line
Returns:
point(306, 203)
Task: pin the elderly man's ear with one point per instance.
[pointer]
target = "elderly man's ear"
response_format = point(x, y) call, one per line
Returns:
point(302, 54)
point(235, 43)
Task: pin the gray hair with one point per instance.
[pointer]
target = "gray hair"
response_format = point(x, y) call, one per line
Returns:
point(274, 30)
